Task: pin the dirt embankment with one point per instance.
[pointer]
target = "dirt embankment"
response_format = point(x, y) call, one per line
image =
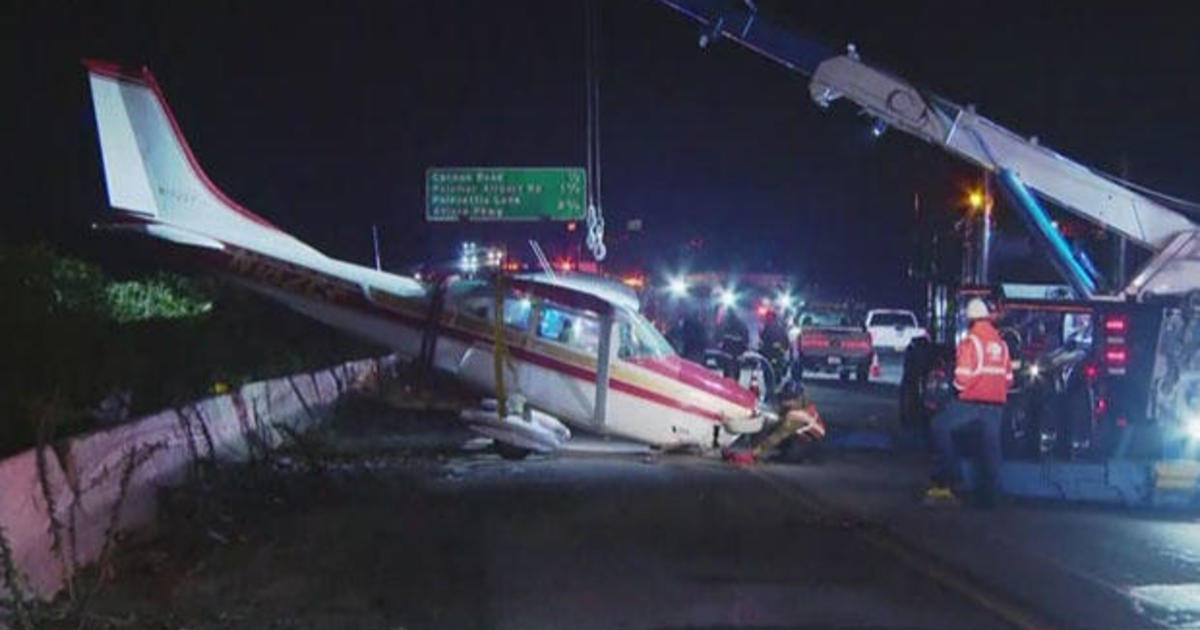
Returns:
point(306, 538)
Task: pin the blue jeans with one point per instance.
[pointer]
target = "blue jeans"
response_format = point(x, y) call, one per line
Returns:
point(958, 415)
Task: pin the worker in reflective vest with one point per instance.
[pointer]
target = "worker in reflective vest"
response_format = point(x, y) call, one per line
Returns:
point(982, 376)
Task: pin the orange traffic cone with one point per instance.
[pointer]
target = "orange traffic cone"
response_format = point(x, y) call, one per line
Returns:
point(876, 371)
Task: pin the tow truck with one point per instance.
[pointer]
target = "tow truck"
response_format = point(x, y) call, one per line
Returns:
point(1143, 351)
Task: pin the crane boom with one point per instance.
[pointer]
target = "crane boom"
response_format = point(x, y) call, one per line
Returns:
point(894, 102)
point(976, 139)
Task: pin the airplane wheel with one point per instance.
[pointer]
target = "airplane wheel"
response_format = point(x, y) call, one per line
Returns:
point(510, 452)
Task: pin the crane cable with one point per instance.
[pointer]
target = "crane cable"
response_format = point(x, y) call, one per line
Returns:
point(595, 213)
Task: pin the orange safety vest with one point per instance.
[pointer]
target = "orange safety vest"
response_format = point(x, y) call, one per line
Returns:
point(983, 371)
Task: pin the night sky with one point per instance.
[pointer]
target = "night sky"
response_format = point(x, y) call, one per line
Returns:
point(323, 119)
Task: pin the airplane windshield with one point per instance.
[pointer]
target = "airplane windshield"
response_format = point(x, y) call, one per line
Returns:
point(639, 338)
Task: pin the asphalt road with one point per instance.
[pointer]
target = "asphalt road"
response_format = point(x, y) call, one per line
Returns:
point(620, 540)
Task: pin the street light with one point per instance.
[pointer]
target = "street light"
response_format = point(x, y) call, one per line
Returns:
point(728, 297)
point(979, 206)
point(975, 199)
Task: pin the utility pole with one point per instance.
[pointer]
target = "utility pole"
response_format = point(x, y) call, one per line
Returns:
point(977, 234)
point(970, 243)
point(983, 268)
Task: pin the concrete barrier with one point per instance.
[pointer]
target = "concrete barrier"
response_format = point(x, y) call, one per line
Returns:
point(25, 518)
point(154, 451)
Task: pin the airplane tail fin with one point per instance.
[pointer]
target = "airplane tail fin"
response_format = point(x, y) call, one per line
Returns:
point(151, 173)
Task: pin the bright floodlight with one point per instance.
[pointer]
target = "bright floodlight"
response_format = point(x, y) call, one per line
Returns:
point(1192, 427)
point(678, 287)
point(785, 300)
point(728, 297)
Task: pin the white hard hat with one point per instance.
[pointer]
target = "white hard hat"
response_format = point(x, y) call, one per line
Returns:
point(977, 309)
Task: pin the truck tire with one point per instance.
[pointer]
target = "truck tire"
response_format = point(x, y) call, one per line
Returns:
point(863, 373)
point(1079, 405)
point(1020, 434)
point(844, 376)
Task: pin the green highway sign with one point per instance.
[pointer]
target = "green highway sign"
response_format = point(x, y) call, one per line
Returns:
point(505, 194)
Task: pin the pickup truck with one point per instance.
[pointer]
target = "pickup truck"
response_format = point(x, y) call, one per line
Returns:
point(833, 341)
point(893, 329)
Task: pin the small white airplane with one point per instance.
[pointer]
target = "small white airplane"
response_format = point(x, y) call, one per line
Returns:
point(552, 329)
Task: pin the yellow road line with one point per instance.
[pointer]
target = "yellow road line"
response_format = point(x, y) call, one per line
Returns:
point(920, 561)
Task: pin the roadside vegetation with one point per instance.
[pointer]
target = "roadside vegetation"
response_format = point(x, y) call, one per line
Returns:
point(82, 349)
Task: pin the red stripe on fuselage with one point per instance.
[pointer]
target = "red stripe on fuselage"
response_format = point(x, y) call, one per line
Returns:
point(589, 376)
point(281, 278)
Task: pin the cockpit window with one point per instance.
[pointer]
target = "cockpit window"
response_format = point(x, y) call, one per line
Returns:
point(639, 339)
point(570, 327)
point(516, 313)
point(516, 310)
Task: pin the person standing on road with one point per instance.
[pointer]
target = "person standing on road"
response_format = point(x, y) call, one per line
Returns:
point(733, 338)
point(693, 337)
point(773, 344)
point(982, 376)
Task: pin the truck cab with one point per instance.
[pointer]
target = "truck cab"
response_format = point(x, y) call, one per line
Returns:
point(1093, 379)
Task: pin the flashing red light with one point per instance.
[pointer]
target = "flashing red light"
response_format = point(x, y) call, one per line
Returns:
point(1116, 324)
point(1101, 406)
point(763, 309)
point(571, 226)
point(1091, 371)
point(564, 264)
point(1122, 422)
point(1116, 356)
